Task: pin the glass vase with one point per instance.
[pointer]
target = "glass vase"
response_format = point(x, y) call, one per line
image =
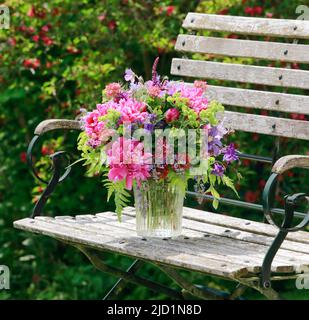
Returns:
point(159, 206)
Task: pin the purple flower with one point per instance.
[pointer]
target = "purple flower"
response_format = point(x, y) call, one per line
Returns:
point(230, 153)
point(134, 86)
point(155, 77)
point(149, 126)
point(218, 170)
point(129, 75)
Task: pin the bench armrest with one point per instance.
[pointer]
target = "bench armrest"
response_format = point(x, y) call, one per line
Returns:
point(290, 162)
point(58, 159)
point(55, 124)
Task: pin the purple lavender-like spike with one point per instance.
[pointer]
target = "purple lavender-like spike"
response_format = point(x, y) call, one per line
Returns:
point(154, 71)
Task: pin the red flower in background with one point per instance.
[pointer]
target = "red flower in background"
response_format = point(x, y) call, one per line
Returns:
point(258, 10)
point(49, 64)
point(249, 10)
point(36, 38)
point(112, 25)
point(47, 41)
point(170, 10)
point(73, 50)
point(251, 196)
point(254, 11)
point(46, 151)
point(297, 116)
point(23, 157)
point(31, 12)
point(262, 183)
point(55, 11)
point(224, 11)
point(12, 42)
point(32, 63)
point(46, 28)
point(37, 13)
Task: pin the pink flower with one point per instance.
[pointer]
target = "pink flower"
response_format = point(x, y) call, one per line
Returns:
point(171, 115)
point(154, 91)
point(196, 97)
point(102, 17)
point(200, 84)
point(46, 28)
point(128, 161)
point(31, 12)
point(132, 110)
point(113, 89)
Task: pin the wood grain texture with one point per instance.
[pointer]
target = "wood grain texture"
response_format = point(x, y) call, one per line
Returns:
point(256, 99)
point(266, 125)
point(247, 25)
point(131, 245)
point(55, 124)
point(237, 224)
point(289, 162)
point(208, 245)
point(243, 48)
point(241, 73)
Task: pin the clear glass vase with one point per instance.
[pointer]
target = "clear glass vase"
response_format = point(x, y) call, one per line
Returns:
point(158, 207)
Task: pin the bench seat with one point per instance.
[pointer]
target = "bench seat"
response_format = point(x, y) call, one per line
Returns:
point(211, 243)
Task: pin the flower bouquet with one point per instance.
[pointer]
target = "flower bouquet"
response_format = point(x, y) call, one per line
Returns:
point(153, 137)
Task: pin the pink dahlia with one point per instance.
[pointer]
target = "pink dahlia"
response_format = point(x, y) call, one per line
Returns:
point(128, 161)
point(196, 97)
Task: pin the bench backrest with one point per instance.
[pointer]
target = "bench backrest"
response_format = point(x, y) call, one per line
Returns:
point(268, 77)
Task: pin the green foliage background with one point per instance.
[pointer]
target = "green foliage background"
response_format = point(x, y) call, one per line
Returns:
point(84, 45)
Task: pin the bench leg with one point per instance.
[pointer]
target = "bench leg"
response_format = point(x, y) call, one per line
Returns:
point(119, 286)
point(127, 276)
point(268, 293)
point(188, 289)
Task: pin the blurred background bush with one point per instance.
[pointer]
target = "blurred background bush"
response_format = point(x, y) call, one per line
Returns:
point(55, 59)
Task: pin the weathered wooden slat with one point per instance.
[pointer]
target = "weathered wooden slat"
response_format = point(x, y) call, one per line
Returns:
point(256, 99)
point(291, 161)
point(234, 247)
point(216, 247)
point(243, 48)
point(266, 125)
point(242, 224)
point(248, 25)
point(232, 251)
point(241, 73)
point(134, 246)
point(55, 124)
point(112, 228)
point(231, 232)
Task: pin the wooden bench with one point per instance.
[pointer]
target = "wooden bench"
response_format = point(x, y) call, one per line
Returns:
point(250, 253)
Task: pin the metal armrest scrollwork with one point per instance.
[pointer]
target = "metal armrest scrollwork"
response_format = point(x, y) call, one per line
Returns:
point(57, 159)
point(291, 201)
